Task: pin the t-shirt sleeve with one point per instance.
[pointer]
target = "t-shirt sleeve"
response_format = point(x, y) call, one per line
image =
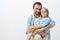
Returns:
point(45, 22)
point(29, 22)
point(52, 23)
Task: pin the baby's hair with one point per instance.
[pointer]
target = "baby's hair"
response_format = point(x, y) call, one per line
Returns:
point(44, 8)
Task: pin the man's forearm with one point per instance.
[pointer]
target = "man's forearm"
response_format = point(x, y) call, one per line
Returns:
point(44, 28)
point(48, 27)
point(37, 27)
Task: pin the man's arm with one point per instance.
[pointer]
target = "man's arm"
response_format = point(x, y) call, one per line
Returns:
point(52, 23)
point(47, 27)
point(43, 23)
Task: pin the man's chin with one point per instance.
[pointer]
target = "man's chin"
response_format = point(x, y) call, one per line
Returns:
point(37, 13)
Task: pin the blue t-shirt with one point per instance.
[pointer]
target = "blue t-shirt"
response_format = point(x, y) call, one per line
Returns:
point(43, 21)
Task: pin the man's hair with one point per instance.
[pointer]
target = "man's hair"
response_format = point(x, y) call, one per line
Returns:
point(36, 3)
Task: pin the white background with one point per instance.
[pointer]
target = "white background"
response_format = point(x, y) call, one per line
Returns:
point(14, 14)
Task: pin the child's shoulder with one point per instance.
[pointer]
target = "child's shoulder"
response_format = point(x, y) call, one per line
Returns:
point(46, 19)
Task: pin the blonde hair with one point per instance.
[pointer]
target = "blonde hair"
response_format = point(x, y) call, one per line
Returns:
point(44, 8)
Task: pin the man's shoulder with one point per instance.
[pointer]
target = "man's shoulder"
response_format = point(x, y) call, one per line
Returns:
point(30, 16)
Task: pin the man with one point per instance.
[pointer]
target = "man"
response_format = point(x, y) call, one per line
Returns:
point(37, 6)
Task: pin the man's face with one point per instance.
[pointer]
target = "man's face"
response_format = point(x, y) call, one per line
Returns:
point(37, 9)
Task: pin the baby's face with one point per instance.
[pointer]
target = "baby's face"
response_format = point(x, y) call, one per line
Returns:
point(44, 13)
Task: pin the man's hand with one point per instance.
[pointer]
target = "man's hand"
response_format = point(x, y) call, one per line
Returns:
point(38, 31)
point(41, 30)
point(30, 31)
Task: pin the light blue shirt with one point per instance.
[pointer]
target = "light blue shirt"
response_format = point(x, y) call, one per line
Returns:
point(41, 22)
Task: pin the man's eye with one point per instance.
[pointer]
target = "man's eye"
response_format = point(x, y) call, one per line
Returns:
point(39, 9)
point(36, 8)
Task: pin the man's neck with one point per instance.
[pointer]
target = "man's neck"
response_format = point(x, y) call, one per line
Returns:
point(36, 16)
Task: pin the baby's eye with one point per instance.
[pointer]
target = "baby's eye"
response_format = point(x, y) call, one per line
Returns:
point(42, 12)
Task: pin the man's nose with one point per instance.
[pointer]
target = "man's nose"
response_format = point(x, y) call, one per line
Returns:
point(37, 10)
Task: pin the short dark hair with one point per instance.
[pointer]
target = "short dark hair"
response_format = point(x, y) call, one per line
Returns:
point(37, 3)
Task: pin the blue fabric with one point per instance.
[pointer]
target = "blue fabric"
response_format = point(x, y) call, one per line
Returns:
point(41, 22)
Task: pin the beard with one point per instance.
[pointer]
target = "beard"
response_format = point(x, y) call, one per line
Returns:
point(37, 13)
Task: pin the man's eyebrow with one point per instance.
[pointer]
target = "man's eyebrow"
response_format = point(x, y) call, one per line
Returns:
point(36, 8)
